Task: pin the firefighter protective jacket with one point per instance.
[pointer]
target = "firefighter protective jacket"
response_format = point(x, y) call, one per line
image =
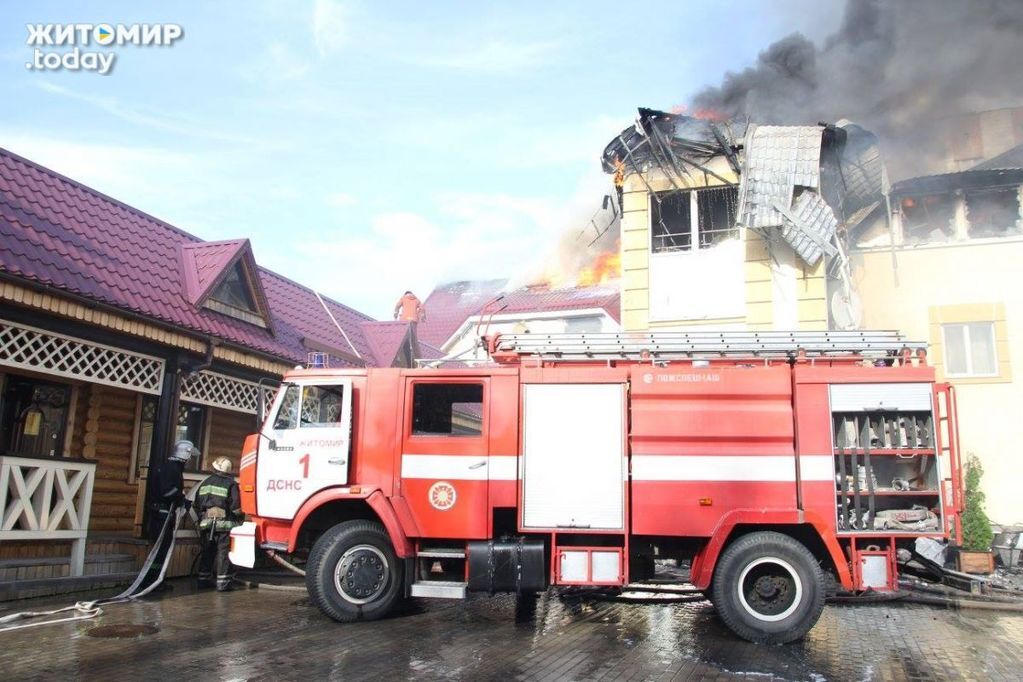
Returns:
point(172, 486)
point(218, 503)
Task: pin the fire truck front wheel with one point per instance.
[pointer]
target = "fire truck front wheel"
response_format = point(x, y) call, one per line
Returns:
point(768, 588)
point(353, 572)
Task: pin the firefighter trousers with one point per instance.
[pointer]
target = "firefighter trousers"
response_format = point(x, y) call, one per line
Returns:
point(213, 561)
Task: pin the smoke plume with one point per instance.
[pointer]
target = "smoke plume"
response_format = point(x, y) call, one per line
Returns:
point(903, 69)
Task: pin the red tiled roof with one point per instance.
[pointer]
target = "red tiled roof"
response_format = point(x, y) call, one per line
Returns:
point(450, 305)
point(386, 339)
point(62, 234)
point(531, 299)
point(205, 262)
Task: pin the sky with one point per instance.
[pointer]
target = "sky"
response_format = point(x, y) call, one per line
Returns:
point(369, 148)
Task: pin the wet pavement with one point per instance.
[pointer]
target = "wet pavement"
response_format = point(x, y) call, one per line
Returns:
point(264, 635)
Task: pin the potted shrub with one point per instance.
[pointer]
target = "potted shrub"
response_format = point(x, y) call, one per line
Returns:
point(975, 549)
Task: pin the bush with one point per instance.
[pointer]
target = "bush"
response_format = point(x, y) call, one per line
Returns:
point(977, 533)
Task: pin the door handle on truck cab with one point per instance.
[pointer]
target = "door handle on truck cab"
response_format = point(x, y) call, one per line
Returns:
point(336, 460)
point(477, 465)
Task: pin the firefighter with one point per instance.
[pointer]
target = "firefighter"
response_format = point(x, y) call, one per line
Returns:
point(619, 179)
point(409, 307)
point(170, 494)
point(218, 506)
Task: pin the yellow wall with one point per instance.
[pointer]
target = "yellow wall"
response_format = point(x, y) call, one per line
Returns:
point(969, 281)
point(760, 290)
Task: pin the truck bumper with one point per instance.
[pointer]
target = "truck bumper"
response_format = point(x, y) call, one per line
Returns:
point(243, 545)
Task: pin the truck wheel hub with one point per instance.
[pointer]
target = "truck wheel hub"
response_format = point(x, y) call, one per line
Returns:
point(361, 574)
point(769, 589)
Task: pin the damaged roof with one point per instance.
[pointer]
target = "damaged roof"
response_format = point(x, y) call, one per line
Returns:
point(679, 145)
point(64, 235)
point(797, 184)
point(1010, 160)
point(965, 180)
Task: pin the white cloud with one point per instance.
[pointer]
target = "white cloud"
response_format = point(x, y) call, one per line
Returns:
point(341, 199)
point(496, 55)
point(467, 236)
point(330, 26)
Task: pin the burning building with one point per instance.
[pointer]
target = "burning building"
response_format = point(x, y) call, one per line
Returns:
point(946, 269)
point(737, 225)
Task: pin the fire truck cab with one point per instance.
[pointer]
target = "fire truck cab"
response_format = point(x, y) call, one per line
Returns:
point(776, 464)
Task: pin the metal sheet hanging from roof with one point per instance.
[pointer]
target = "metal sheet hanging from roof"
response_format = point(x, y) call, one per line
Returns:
point(809, 227)
point(777, 159)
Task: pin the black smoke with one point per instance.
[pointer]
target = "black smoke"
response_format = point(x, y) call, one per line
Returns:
point(903, 69)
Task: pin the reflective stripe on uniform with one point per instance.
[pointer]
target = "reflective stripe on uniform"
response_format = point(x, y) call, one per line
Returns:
point(214, 490)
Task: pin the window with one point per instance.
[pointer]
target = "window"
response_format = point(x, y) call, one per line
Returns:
point(928, 218)
point(190, 427)
point(320, 408)
point(703, 218)
point(993, 212)
point(234, 297)
point(234, 291)
point(583, 325)
point(970, 349)
point(447, 409)
point(33, 417)
point(147, 422)
point(287, 415)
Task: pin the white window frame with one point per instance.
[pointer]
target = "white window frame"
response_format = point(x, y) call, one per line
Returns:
point(965, 326)
point(694, 221)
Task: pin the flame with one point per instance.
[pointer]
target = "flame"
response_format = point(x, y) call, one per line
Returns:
point(603, 268)
point(705, 113)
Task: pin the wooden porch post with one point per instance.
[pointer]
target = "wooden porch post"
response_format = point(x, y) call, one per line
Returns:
point(163, 430)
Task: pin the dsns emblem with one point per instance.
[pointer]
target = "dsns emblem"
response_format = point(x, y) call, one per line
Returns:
point(442, 495)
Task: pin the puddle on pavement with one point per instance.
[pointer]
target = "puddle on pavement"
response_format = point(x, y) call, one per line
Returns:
point(122, 631)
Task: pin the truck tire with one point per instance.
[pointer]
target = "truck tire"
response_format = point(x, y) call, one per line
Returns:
point(768, 588)
point(353, 573)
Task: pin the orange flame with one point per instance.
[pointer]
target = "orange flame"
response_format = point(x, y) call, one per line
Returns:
point(705, 113)
point(605, 267)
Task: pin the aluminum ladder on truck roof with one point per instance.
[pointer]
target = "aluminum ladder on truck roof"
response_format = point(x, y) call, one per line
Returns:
point(697, 344)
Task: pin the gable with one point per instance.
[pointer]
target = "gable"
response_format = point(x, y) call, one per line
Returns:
point(222, 277)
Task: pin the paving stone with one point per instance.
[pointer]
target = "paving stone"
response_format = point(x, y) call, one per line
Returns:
point(272, 635)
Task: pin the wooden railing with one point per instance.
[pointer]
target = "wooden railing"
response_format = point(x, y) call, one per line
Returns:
point(47, 499)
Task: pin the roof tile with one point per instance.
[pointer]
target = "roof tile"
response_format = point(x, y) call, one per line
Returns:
point(58, 232)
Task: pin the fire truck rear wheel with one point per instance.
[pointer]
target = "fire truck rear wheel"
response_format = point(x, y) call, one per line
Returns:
point(353, 573)
point(768, 588)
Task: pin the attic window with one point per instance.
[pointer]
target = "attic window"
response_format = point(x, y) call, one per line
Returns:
point(234, 292)
point(233, 297)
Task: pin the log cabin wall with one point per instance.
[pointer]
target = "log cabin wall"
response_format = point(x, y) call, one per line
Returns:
point(108, 438)
point(228, 430)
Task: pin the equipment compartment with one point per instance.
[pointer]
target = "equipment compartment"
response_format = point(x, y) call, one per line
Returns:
point(886, 468)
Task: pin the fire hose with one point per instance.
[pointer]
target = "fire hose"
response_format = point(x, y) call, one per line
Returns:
point(85, 610)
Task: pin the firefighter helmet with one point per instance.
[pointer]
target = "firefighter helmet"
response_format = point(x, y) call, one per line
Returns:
point(222, 464)
point(184, 450)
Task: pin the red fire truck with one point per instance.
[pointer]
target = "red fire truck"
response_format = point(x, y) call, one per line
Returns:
point(778, 464)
